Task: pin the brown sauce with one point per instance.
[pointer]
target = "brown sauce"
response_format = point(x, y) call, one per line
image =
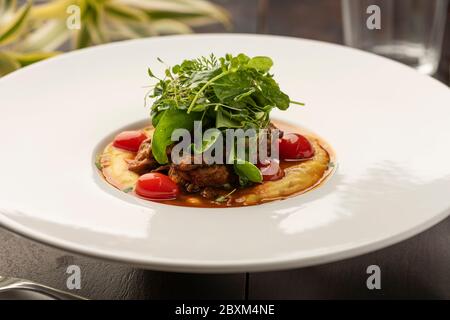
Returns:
point(186, 199)
point(235, 199)
point(197, 200)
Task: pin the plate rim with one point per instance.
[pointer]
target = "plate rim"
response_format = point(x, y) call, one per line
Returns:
point(65, 55)
point(203, 266)
point(195, 266)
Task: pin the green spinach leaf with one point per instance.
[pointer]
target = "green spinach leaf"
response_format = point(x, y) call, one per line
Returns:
point(262, 64)
point(248, 171)
point(171, 119)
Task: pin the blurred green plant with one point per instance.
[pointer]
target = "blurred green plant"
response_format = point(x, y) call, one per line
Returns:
point(33, 32)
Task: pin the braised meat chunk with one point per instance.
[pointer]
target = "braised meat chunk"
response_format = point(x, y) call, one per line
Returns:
point(144, 161)
point(195, 177)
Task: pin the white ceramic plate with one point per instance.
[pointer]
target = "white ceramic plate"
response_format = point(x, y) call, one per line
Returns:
point(388, 124)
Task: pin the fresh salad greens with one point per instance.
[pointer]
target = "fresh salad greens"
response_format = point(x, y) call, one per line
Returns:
point(226, 92)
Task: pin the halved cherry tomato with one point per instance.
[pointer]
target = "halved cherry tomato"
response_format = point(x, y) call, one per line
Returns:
point(270, 169)
point(156, 186)
point(294, 146)
point(129, 140)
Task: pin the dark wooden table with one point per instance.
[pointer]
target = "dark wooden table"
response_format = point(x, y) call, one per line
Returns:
point(415, 268)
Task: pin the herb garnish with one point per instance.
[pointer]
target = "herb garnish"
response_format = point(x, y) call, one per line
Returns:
point(98, 162)
point(227, 92)
point(225, 198)
point(127, 190)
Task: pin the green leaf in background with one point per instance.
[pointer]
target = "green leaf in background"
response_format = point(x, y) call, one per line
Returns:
point(7, 9)
point(12, 30)
point(171, 26)
point(83, 38)
point(11, 61)
point(26, 59)
point(171, 119)
point(41, 27)
point(125, 13)
point(7, 64)
point(50, 36)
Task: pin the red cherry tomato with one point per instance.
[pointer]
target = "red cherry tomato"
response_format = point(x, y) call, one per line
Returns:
point(129, 140)
point(294, 146)
point(156, 186)
point(271, 170)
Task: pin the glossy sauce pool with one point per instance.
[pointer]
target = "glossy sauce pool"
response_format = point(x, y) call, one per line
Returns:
point(196, 200)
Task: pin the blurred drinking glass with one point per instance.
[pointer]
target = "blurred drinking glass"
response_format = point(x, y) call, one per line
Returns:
point(409, 31)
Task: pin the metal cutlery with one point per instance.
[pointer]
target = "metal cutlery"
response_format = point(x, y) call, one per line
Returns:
point(8, 284)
